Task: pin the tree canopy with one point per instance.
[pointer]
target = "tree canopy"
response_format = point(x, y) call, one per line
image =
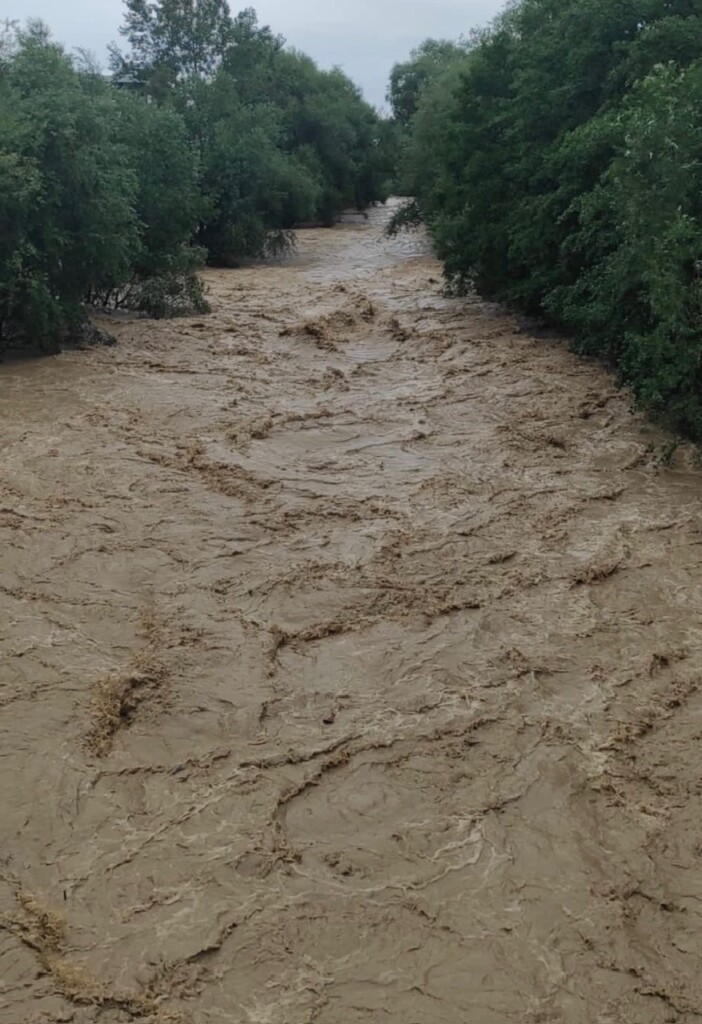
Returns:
point(409, 79)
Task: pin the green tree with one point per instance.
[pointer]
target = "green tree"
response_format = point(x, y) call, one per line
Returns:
point(70, 193)
point(173, 40)
point(169, 206)
point(254, 191)
point(639, 302)
point(409, 79)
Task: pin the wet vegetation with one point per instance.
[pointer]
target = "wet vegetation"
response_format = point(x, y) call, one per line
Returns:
point(556, 159)
point(208, 141)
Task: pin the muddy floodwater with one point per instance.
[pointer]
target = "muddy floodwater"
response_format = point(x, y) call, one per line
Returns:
point(350, 668)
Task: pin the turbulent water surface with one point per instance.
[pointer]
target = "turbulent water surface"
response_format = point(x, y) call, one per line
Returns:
point(350, 647)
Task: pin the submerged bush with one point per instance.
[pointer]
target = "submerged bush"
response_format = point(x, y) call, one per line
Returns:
point(177, 292)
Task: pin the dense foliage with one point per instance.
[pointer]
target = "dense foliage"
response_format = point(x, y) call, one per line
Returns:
point(279, 141)
point(210, 141)
point(98, 197)
point(557, 162)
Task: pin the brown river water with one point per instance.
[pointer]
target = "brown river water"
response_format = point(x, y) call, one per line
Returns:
point(351, 668)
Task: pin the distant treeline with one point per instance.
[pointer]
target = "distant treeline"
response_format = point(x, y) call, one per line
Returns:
point(209, 141)
point(556, 158)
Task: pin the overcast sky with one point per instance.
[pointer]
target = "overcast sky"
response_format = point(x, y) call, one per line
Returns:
point(365, 37)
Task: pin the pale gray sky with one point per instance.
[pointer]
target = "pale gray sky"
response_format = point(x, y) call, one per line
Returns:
point(365, 37)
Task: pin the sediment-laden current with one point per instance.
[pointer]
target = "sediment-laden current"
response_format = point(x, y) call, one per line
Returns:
point(351, 668)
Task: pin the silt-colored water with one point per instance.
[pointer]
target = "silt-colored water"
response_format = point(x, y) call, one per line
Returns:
point(351, 668)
